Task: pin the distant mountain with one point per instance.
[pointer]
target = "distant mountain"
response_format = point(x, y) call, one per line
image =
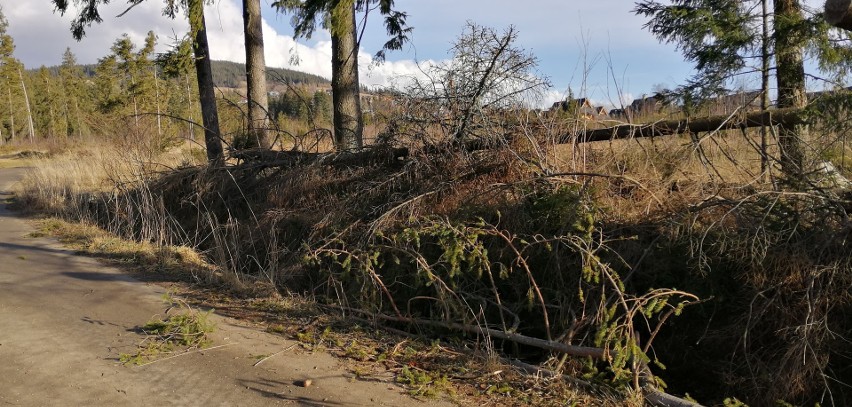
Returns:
point(228, 74)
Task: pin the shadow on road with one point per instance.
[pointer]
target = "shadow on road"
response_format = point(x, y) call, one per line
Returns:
point(31, 248)
point(95, 276)
point(255, 385)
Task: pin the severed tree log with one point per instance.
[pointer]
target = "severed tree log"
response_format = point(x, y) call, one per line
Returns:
point(369, 156)
point(653, 396)
point(582, 351)
point(839, 13)
point(785, 117)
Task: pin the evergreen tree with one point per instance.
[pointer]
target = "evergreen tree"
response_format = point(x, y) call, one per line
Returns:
point(12, 71)
point(178, 64)
point(45, 104)
point(107, 92)
point(128, 71)
point(71, 80)
point(8, 67)
point(147, 83)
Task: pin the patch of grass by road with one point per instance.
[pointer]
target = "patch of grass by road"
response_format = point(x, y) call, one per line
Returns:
point(10, 158)
point(172, 333)
point(174, 261)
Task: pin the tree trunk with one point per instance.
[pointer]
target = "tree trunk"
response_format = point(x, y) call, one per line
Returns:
point(839, 13)
point(27, 102)
point(790, 76)
point(764, 87)
point(68, 127)
point(11, 112)
point(191, 105)
point(348, 124)
point(50, 113)
point(256, 74)
point(157, 94)
point(135, 104)
point(79, 120)
point(209, 114)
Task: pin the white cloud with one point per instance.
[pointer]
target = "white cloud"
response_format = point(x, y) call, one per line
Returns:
point(41, 37)
point(225, 32)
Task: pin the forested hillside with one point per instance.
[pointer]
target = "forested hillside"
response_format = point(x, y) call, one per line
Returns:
point(228, 74)
point(232, 74)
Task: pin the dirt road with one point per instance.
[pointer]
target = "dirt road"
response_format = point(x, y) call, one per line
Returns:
point(64, 320)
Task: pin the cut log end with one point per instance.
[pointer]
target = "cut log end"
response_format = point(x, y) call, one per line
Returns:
point(839, 13)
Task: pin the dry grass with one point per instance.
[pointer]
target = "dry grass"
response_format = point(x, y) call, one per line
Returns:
point(175, 262)
point(56, 183)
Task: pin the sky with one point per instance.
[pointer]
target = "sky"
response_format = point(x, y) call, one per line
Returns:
point(598, 49)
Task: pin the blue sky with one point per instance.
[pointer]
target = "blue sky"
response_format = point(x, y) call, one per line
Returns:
point(598, 48)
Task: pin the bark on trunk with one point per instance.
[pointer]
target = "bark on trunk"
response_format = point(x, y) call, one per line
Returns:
point(209, 114)
point(790, 76)
point(839, 13)
point(50, 115)
point(69, 128)
point(256, 74)
point(788, 117)
point(348, 124)
point(79, 120)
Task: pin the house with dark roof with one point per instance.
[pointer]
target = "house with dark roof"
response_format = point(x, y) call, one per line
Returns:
point(645, 106)
point(747, 101)
point(618, 114)
point(583, 106)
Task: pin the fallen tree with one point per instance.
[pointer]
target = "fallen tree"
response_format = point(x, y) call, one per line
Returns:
point(784, 117)
point(272, 158)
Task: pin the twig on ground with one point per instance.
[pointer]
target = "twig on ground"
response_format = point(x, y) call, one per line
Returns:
point(276, 353)
point(187, 353)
